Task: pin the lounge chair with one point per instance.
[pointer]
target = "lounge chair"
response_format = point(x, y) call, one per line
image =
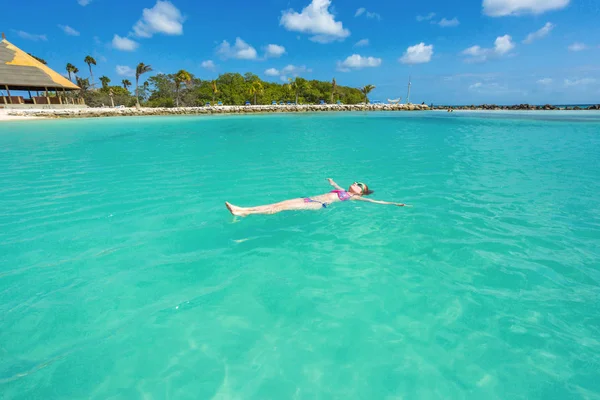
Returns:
point(273, 103)
point(338, 103)
point(289, 103)
point(321, 102)
point(247, 103)
point(207, 104)
point(220, 103)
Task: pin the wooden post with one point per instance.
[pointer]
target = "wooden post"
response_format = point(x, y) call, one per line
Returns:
point(57, 95)
point(47, 99)
point(8, 92)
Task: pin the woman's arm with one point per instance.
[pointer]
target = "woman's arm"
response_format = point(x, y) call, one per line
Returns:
point(380, 202)
point(335, 185)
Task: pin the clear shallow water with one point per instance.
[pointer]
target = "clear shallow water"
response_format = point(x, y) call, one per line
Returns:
point(122, 275)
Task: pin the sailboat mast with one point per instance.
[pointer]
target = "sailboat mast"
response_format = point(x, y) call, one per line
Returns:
point(408, 94)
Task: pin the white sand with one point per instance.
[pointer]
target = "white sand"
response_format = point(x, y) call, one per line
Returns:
point(5, 117)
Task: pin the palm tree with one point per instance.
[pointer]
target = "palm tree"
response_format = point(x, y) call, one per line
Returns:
point(126, 83)
point(298, 85)
point(89, 60)
point(333, 89)
point(140, 69)
point(70, 68)
point(181, 77)
point(214, 89)
point(75, 71)
point(83, 83)
point(366, 90)
point(105, 81)
point(255, 89)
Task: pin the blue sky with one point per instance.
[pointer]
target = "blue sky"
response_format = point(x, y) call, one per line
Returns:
point(457, 52)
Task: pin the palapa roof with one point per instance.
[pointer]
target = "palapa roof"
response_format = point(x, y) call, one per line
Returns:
point(20, 71)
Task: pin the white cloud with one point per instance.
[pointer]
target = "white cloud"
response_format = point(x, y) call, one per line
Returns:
point(540, 33)
point(449, 23)
point(97, 40)
point(577, 47)
point(427, 17)
point(502, 8)
point(544, 81)
point(315, 19)
point(164, 17)
point(208, 64)
point(31, 36)
point(502, 46)
point(417, 54)
point(578, 82)
point(124, 70)
point(295, 70)
point(272, 72)
point(68, 30)
point(124, 44)
point(493, 88)
point(368, 14)
point(287, 71)
point(84, 2)
point(240, 50)
point(362, 42)
point(274, 50)
point(356, 61)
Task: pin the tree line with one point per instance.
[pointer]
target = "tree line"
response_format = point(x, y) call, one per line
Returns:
point(184, 89)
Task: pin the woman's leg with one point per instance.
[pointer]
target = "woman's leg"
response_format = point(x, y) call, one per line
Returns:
point(295, 204)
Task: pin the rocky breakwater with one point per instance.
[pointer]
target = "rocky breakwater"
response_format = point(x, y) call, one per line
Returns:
point(118, 112)
point(515, 107)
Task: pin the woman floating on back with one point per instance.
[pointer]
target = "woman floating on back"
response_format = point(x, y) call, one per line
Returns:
point(356, 191)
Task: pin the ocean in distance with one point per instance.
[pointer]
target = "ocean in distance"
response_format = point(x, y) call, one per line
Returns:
point(123, 276)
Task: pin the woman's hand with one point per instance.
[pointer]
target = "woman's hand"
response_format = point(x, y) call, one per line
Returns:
point(331, 182)
point(402, 205)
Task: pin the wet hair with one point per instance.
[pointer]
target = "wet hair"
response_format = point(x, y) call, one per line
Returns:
point(365, 189)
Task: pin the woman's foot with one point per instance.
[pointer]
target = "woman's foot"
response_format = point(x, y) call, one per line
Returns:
point(235, 210)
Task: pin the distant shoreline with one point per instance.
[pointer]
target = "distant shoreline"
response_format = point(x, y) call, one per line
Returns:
point(210, 110)
point(33, 114)
point(521, 107)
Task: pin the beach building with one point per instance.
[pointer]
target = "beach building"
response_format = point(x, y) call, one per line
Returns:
point(20, 72)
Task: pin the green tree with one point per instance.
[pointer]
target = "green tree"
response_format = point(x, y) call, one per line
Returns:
point(83, 83)
point(256, 88)
point(105, 81)
point(181, 77)
point(140, 70)
point(71, 68)
point(333, 88)
point(215, 90)
point(125, 83)
point(366, 90)
point(89, 60)
point(297, 86)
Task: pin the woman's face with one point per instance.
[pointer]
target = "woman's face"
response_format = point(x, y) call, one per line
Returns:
point(355, 189)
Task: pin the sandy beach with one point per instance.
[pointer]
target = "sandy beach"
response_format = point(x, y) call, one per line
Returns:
point(5, 115)
point(16, 114)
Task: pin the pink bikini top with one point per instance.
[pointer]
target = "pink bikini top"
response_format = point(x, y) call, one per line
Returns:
point(342, 194)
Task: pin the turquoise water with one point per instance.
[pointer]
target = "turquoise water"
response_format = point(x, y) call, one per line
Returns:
point(123, 276)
